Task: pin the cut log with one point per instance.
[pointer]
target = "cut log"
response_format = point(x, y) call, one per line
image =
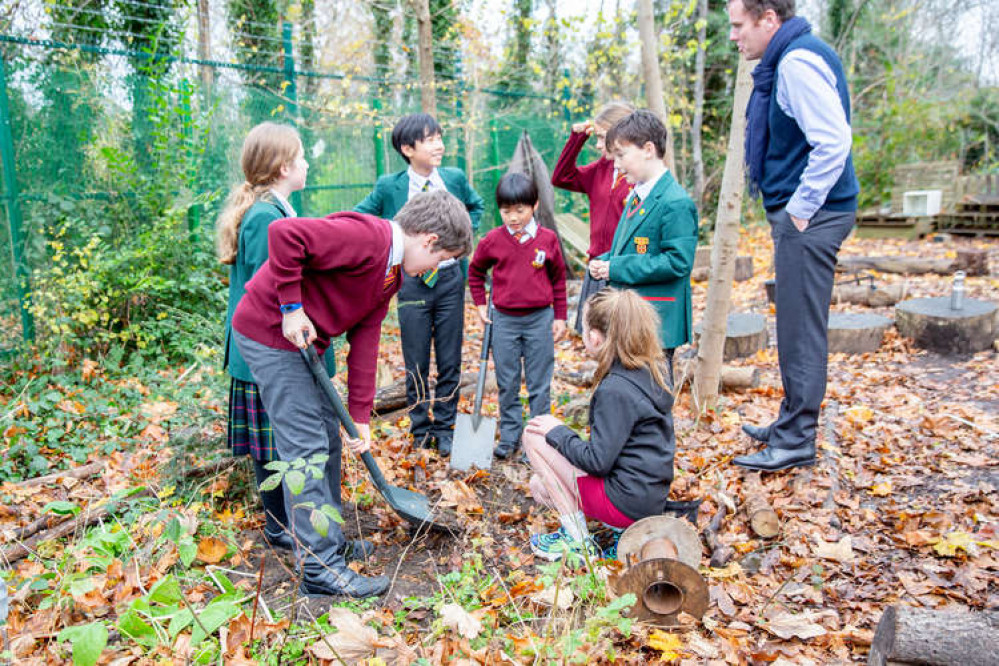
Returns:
point(81, 472)
point(762, 518)
point(932, 324)
point(18, 551)
point(876, 297)
point(393, 396)
point(745, 334)
point(720, 552)
point(739, 379)
point(743, 270)
point(972, 261)
point(851, 333)
point(900, 265)
point(732, 378)
point(938, 638)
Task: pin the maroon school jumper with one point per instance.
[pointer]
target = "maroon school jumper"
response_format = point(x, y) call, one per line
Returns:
point(335, 267)
point(607, 199)
point(521, 283)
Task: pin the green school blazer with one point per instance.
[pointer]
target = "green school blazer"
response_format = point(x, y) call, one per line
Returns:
point(392, 192)
point(250, 257)
point(653, 253)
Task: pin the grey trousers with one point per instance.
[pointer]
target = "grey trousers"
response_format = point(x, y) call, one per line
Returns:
point(805, 268)
point(523, 342)
point(304, 424)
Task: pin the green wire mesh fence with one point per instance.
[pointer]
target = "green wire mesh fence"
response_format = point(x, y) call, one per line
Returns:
point(98, 126)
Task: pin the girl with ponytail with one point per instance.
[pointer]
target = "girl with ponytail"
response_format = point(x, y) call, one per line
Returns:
point(624, 471)
point(274, 166)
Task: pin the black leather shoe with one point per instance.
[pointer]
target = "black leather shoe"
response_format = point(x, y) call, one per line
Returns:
point(504, 450)
point(357, 550)
point(444, 446)
point(772, 459)
point(339, 580)
point(282, 540)
point(759, 433)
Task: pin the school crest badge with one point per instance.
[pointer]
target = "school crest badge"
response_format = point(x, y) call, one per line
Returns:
point(539, 259)
point(641, 244)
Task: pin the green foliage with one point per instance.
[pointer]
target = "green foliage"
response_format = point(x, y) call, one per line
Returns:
point(293, 473)
point(126, 271)
point(88, 641)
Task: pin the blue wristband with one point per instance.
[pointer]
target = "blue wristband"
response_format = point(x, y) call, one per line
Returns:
point(290, 307)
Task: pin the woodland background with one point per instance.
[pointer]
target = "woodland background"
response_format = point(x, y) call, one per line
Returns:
point(123, 120)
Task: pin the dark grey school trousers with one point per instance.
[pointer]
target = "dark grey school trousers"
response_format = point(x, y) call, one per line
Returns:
point(523, 342)
point(304, 424)
point(805, 265)
point(432, 316)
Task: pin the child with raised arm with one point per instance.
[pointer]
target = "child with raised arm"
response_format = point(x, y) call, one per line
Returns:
point(431, 307)
point(274, 166)
point(655, 241)
point(624, 471)
point(529, 309)
point(327, 277)
point(601, 182)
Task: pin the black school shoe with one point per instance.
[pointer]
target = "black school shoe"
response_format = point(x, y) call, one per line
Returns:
point(339, 580)
point(504, 450)
point(773, 459)
point(355, 550)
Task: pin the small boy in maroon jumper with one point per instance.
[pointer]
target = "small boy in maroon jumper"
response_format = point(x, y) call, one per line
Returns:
point(529, 308)
point(327, 277)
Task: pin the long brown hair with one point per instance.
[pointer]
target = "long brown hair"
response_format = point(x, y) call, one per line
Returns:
point(630, 327)
point(267, 148)
point(611, 112)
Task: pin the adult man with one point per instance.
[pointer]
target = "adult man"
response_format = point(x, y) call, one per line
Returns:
point(798, 154)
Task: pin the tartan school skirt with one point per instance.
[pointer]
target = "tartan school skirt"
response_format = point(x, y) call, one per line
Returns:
point(250, 430)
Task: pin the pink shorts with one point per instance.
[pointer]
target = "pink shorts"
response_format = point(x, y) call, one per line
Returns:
point(595, 503)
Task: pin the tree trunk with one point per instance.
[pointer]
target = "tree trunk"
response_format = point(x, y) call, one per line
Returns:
point(698, 120)
point(711, 346)
point(653, 77)
point(428, 93)
point(206, 73)
point(920, 636)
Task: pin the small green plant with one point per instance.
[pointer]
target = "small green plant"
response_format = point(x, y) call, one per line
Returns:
point(293, 473)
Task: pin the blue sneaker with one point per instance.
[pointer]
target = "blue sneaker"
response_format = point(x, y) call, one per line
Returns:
point(558, 544)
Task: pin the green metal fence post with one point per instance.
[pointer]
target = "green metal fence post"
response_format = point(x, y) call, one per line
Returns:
point(291, 93)
point(193, 214)
point(14, 220)
point(566, 96)
point(378, 137)
point(459, 102)
point(494, 144)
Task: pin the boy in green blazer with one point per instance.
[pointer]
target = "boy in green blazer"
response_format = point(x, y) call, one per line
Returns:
point(431, 307)
point(655, 242)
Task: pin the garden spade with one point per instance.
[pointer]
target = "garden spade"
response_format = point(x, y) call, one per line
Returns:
point(410, 505)
point(473, 434)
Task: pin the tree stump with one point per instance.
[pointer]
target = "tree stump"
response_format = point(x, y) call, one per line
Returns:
point(745, 334)
point(856, 333)
point(972, 261)
point(918, 636)
point(762, 518)
point(933, 325)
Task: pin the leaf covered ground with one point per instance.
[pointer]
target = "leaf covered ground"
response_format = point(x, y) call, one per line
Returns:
point(901, 509)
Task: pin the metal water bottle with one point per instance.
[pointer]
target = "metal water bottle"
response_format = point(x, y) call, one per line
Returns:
point(957, 291)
